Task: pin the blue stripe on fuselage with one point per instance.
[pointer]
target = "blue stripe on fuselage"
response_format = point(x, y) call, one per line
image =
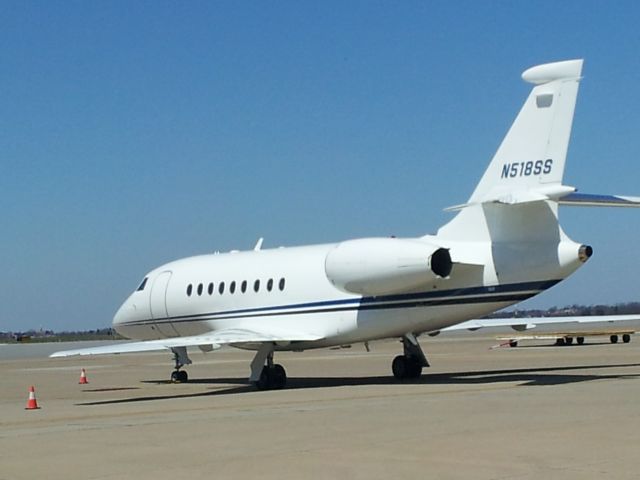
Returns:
point(496, 293)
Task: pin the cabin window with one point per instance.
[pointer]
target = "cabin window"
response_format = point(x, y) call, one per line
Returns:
point(210, 289)
point(199, 289)
point(142, 285)
point(221, 288)
point(232, 287)
point(256, 286)
point(281, 284)
point(189, 290)
point(270, 284)
point(243, 287)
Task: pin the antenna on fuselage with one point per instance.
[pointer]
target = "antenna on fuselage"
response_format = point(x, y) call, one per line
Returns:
point(258, 246)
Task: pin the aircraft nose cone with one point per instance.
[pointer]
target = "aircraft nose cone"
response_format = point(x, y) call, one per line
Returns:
point(124, 313)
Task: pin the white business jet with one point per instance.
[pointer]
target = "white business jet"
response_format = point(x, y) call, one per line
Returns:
point(503, 246)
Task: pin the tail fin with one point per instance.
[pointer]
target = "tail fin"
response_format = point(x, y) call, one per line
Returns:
point(534, 151)
point(529, 164)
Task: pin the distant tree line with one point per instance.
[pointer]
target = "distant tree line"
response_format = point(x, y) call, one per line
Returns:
point(64, 336)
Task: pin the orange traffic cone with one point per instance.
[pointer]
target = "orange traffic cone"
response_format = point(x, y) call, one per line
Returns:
point(32, 404)
point(83, 377)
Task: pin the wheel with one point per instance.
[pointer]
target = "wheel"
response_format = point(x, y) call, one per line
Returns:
point(264, 382)
point(414, 369)
point(614, 338)
point(626, 338)
point(272, 378)
point(404, 367)
point(179, 376)
point(399, 367)
point(580, 340)
point(568, 340)
point(513, 343)
point(560, 341)
point(278, 376)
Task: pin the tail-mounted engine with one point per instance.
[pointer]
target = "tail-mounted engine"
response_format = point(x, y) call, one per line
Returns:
point(380, 266)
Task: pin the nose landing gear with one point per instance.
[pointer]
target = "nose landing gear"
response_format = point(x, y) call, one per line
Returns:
point(181, 359)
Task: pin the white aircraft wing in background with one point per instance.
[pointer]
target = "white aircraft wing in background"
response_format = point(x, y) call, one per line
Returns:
point(527, 323)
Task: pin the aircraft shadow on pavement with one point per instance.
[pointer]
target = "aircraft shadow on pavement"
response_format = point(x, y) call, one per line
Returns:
point(545, 376)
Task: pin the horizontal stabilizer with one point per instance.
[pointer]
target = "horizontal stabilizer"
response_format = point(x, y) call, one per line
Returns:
point(562, 194)
point(519, 197)
point(214, 339)
point(591, 200)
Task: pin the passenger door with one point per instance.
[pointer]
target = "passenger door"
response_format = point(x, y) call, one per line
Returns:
point(159, 305)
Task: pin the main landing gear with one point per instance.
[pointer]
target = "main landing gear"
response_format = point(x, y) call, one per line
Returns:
point(181, 359)
point(410, 364)
point(265, 374)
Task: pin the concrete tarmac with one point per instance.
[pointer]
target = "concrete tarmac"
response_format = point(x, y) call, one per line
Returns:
point(513, 413)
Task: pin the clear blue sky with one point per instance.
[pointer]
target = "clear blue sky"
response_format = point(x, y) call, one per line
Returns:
point(133, 133)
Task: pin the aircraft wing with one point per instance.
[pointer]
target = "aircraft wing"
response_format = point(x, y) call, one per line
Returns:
point(521, 324)
point(209, 340)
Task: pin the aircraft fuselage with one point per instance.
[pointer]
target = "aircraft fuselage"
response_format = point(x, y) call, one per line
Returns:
point(288, 289)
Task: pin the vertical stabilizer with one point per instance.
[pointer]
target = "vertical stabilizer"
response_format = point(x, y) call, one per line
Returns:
point(534, 151)
point(529, 164)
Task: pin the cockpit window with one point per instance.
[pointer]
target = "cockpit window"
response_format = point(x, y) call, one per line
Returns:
point(142, 285)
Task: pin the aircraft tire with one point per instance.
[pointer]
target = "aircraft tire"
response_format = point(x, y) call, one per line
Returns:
point(614, 338)
point(278, 377)
point(272, 378)
point(626, 338)
point(415, 369)
point(264, 382)
point(179, 376)
point(404, 367)
point(568, 340)
point(580, 340)
point(399, 367)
